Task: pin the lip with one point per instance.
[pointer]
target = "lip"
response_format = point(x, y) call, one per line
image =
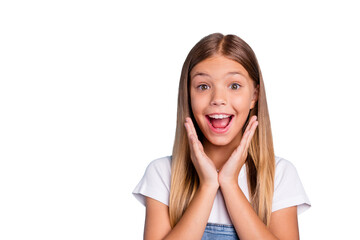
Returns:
point(216, 130)
point(227, 114)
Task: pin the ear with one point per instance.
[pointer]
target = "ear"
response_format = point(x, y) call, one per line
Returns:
point(255, 96)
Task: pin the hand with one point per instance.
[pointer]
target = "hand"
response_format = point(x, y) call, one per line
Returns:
point(204, 166)
point(229, 173)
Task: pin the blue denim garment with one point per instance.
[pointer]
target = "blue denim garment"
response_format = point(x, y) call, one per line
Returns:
point(219, 231)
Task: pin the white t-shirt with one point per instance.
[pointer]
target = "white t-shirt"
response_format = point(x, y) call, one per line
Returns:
point(288, 189)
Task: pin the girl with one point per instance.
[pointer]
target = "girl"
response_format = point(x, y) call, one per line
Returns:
point(223, 180)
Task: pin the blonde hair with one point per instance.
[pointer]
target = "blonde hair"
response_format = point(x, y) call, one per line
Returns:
point(260, 162)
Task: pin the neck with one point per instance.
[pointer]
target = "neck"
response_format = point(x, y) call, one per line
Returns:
point(219, 154)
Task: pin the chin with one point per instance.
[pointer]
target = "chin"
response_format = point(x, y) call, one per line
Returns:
point(219, 141)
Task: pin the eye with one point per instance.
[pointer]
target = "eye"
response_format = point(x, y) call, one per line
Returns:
point(235, 86)
point(203, 87)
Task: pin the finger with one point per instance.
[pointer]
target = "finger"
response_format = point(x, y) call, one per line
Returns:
point(195, 145)
point(201, 146)
point(240, 149)
point(252, 119)
point(247, 132)
point(248, 135)
point(251, 134)
point(192, 127)
point(249, 126)
point(243, 146)
point(187, 127)
point(193, 130)
point(190, 137)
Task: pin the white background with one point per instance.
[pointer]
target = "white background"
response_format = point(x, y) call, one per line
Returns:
point(88, 97)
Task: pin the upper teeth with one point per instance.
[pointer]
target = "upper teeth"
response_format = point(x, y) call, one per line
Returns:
point(219, 116)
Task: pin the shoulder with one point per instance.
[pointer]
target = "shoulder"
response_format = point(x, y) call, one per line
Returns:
point(156, 181)
point(159, 170)
point(163, 163)
point(285, 173)
point(282, 162)
point(288, 189)
point(283, 166)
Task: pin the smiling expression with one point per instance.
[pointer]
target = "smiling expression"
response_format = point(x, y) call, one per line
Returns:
point(222, 94)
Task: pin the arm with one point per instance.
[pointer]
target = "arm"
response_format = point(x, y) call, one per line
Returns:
point(193, 222)
point(283, 223)
point(191, 225)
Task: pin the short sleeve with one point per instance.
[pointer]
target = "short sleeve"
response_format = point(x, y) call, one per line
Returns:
point(156, 182)
point(288, 189)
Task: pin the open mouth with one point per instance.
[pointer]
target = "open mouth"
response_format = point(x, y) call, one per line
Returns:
point(219, 122)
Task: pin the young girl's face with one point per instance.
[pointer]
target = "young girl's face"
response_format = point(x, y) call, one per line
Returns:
point(222, 94)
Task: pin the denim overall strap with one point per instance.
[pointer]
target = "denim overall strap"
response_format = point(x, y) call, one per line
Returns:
point(219, 232)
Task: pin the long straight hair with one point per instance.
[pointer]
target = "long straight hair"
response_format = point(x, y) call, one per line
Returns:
point(260, 162)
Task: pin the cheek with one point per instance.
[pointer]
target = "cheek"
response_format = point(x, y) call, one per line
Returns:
point(241, 103)
point(197, 104)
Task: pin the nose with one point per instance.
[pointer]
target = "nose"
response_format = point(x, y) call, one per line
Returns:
point(218, 97)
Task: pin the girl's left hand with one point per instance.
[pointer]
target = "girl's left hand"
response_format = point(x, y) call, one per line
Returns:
point(229, 173)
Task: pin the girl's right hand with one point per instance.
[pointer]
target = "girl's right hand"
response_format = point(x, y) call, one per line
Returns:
point(205, 168)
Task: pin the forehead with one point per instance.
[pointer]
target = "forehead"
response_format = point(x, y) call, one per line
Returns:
point(218, 66)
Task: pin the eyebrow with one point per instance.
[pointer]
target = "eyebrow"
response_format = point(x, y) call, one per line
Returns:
point(200, 74)
point(234, 73)
point(207, 75)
